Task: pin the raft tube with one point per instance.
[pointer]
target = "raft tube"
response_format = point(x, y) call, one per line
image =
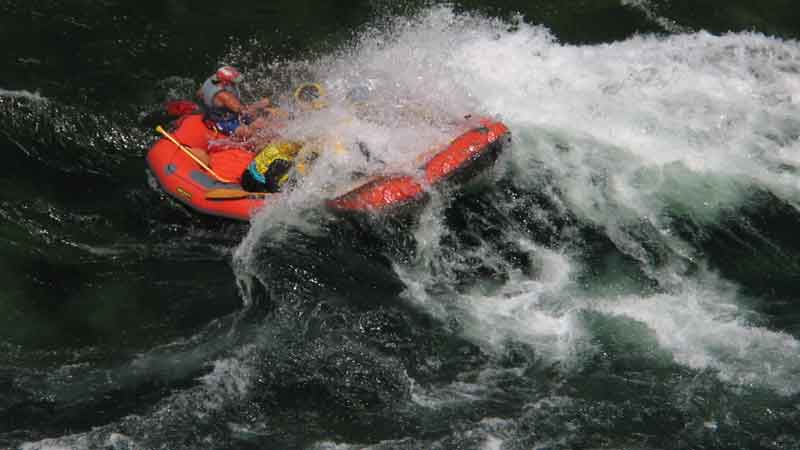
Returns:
point(457, 162)
point(182, 178)
point(185, 180)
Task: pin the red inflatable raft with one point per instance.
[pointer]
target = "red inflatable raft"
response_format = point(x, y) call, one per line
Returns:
point(215, 190)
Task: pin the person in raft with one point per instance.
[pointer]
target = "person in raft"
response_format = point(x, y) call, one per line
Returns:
point(269, 169)
point(222, 105)
point(224, 112)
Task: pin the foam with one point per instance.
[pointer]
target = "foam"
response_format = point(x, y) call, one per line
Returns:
point(703, 329)
point(629, 132)
point(22, 94)
point(630, 129)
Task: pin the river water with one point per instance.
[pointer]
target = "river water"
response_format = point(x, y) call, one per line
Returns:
point(625, 277)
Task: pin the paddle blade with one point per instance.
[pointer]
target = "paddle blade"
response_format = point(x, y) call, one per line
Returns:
point(232, 194)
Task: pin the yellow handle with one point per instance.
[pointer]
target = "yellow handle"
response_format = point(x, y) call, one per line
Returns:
point(191, 155)
point(161, 130)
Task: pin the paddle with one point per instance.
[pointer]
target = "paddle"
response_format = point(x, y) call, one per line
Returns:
point(232, 194)
point(191, 155)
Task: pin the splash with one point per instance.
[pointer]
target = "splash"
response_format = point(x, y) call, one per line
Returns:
point(629, 138)
point(650, 11)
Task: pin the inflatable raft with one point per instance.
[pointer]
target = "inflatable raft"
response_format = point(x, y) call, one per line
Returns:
point(214, 188)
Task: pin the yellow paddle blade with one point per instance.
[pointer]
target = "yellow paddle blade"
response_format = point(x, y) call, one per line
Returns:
point(232, 194)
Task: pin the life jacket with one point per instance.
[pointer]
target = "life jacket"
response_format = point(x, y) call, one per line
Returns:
point(215, 113)
point(260, 165)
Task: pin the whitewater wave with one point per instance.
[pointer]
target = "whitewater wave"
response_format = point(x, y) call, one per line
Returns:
point(631, 138)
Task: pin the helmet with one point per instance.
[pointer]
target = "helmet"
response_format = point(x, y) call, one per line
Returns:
point(310, 94)
point(228, 74)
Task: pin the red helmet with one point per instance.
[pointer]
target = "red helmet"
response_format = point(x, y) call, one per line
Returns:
point(228, 74)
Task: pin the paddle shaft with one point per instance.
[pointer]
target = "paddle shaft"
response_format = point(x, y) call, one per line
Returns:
point(231, 194)
point(191, 155)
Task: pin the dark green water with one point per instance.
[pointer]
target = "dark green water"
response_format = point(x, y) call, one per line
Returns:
point(626, 278)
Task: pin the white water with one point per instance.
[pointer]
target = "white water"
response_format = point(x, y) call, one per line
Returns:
point(21, 94)
point(702, 328)
point(630, 130)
